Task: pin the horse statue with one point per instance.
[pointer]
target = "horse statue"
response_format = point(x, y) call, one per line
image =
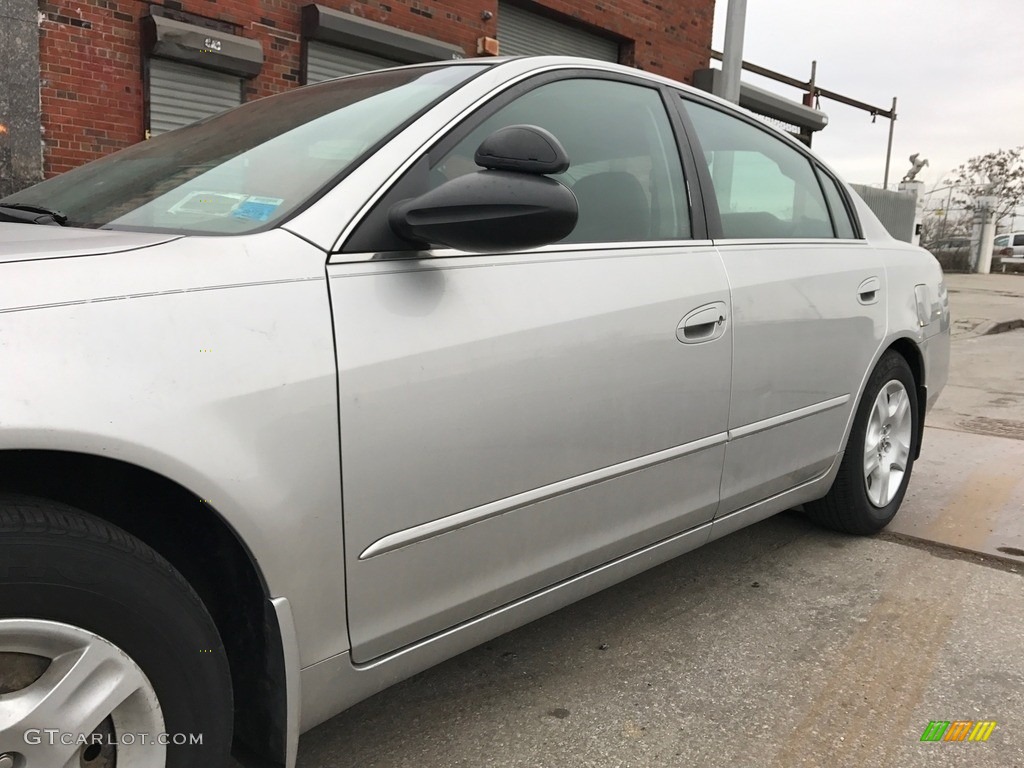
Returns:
point(915, 167)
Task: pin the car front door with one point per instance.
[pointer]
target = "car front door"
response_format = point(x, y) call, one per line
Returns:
point(510, 420)
point(807, 298)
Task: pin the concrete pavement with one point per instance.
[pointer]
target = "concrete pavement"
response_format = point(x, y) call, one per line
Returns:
point(985, 303)
point(968, 487)
point(967, 492)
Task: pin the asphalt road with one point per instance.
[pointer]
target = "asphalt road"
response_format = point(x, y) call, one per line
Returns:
point(781, 645)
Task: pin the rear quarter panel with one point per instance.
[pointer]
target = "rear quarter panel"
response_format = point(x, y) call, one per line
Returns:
point(907, 266)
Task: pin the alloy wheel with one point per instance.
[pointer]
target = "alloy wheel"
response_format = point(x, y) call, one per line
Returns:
point(887, 444)
point(71, 699)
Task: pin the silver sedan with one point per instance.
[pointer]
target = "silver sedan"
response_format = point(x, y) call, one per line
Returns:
point(311, 395)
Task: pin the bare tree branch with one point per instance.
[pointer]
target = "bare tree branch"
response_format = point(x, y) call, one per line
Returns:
point(999, 173)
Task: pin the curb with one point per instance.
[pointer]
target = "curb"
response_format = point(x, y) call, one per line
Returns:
point(952, 551)
point(990, 328)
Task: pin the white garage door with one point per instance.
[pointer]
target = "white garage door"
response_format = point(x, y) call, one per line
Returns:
point(521, 33)
point(180, 94)
point(324, 61)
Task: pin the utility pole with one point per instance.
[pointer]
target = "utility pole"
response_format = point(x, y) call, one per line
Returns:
point(809, 98)
point(732, 51)
point(888, 151)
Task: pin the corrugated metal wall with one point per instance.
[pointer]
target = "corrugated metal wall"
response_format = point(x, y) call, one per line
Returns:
point(180, 94)
point(896, 210)
point(324, 61)
point(521, 33)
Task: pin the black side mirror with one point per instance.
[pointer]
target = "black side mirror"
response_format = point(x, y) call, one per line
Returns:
point(488, 211)
point(522, 148)
point(509, 206)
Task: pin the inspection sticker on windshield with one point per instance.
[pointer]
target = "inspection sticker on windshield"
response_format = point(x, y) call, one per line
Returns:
point(257, 208)
point(208, 203)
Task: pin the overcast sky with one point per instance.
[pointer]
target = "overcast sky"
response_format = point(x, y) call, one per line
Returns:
point(956, 67)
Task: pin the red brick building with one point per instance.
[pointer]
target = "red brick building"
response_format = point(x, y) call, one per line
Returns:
point(112, 72)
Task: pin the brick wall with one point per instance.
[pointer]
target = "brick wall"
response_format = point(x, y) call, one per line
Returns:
point(91, 81)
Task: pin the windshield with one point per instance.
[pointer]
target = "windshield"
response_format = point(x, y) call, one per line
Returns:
point(250, 167)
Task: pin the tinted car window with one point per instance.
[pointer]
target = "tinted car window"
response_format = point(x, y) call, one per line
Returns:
point(836, 203)
point(1018, 240)
point(764, 188)
point(624, 166)
point(1002, 241)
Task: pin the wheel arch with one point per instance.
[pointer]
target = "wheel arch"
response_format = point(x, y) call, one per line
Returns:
point(206, 550)
point(908, 348)
point(911, 352)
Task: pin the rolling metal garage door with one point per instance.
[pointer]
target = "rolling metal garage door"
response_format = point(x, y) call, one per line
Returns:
point(521, 33)
point(324, 61)
point(180, 94)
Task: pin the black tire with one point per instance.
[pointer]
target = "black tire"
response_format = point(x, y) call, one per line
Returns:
point(60, 564)
point(847, 507)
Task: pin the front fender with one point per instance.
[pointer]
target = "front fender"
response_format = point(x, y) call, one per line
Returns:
point(209, 361)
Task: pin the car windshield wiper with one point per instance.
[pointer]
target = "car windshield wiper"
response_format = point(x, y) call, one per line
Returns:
point(31, 214)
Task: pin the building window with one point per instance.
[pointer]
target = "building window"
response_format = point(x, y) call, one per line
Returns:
point(325, 61)
point(180, 94)
point(193, 71)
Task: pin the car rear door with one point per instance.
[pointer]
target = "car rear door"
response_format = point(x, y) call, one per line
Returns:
point(807, 297)
point(510, 420)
